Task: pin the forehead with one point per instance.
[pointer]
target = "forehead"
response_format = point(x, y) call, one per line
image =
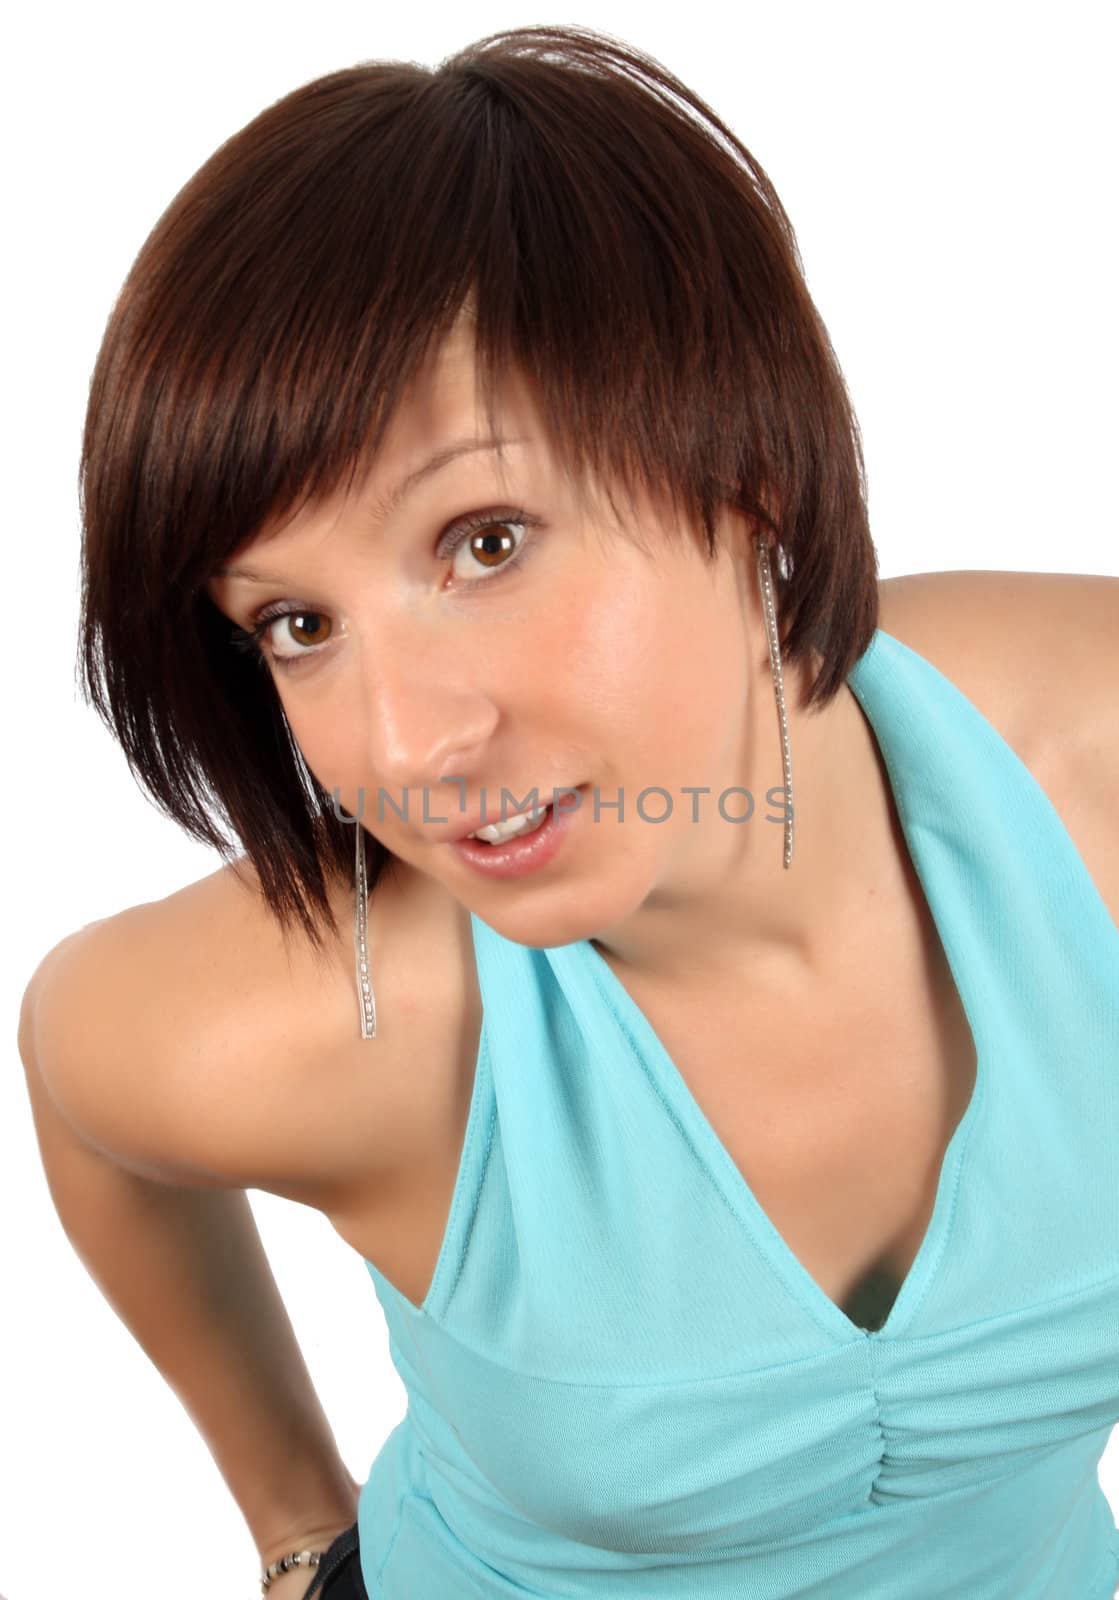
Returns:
point(442, 405)
point(440, 413)
point(441, 409)
point(443, 398)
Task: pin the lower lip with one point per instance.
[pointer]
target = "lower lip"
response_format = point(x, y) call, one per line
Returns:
point(526, 853)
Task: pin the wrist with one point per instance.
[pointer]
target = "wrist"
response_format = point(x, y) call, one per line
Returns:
point(318, 1537)
point(313, 1528)
point(279, 1579)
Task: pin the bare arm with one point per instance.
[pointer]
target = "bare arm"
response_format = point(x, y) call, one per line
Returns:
point(185, 1270)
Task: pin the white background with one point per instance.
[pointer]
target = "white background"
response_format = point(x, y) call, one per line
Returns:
point(950, 174)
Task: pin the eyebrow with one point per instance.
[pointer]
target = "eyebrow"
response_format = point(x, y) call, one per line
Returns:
point(392, 501)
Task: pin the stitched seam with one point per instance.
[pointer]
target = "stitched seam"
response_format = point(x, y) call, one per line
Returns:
point(982, 1054)
point(380, 1579)
point(458, 1200)
point(484, 1168)
point(942, 1336)
point(872, 1492)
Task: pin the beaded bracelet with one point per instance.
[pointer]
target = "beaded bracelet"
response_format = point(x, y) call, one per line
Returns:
point(297, 1558)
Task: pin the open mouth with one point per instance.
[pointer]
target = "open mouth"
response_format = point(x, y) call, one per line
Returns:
point(497, 833)
point(519, 844)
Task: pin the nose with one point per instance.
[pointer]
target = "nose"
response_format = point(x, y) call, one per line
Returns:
point(424, 721)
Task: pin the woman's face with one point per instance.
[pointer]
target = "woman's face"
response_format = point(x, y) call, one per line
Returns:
point(551, 654)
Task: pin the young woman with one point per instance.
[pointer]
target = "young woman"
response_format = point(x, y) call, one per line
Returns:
point(732, 1146)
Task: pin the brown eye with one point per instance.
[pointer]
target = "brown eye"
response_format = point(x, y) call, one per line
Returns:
point(487, 545)
point(307, 629)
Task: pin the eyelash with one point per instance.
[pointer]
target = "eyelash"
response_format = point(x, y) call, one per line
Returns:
point(251, 640)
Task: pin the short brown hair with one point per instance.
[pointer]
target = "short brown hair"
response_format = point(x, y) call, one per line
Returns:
point(618, 245)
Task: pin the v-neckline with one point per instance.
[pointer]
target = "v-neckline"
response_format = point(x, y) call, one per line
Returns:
point(871, 680)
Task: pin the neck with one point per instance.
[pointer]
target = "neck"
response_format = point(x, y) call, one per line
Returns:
point(727, 906)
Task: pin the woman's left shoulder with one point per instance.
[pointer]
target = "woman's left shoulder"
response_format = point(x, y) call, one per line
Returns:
point(1038, 654)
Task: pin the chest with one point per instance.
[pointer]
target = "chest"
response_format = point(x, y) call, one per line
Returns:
point(837, 1123)
point(836, 1118)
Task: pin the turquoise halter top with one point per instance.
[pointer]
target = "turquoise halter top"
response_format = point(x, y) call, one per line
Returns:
point(623, 1385)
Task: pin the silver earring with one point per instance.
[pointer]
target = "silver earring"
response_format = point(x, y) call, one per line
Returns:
point(367, 1005)
point(765, 581)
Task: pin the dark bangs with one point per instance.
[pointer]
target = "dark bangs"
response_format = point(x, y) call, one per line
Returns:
point(616, 244)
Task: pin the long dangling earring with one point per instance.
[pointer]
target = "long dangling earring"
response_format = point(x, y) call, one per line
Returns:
point(367, 1005)
point(773, 643)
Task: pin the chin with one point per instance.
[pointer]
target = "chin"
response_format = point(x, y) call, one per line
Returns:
point(569, 915)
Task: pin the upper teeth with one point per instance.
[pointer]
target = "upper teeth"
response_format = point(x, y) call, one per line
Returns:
point(494, 832)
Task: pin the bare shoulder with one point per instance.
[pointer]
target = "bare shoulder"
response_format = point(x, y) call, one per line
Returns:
point(188, 1040)
point(1038, 654)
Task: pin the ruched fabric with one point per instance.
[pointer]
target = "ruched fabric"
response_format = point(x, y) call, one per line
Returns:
point(623, 1385)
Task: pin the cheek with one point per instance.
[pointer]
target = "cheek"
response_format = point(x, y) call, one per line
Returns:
point(658, 668)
